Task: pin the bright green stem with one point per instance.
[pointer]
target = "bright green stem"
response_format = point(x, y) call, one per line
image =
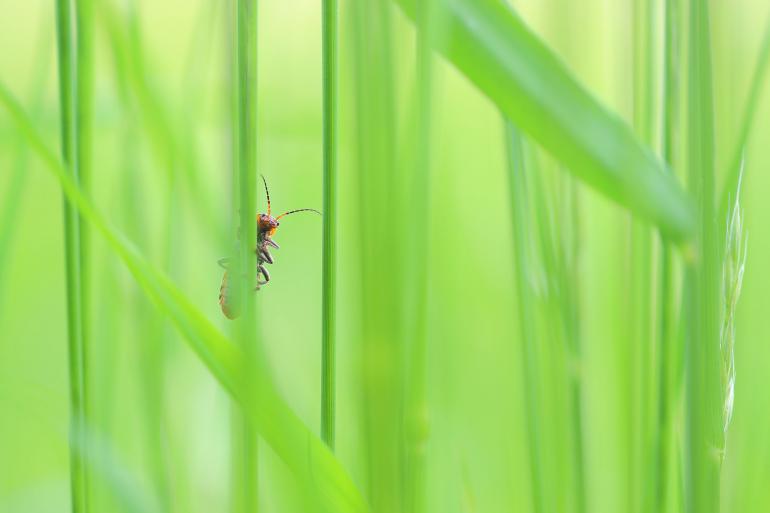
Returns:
point(570, 285)
point(244, 273)
point(329, 294)
point(747, 122)
point(704, 435)
point(669, 354)
point(417, 422)
point(526, 300)
point(381, 251)
point(643, 391)
point(84, 101)
point(72, 247)
point(84, 15)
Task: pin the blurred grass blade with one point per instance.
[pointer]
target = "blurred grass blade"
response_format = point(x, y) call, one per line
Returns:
point(730, 187)
point(84, 107)
point(704, 437)
point(490, 44)
point(417, 409)
point(105, 464)
point(526, 300)
point(318, 472)
point(381, 250)
point(171, 139)
point(668, 487)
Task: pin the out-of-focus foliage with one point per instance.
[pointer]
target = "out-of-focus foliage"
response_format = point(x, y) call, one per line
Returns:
point(162, 160)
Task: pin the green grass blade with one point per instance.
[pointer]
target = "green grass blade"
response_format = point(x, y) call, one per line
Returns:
point(109, 468)
point(526, 300)
point(669, 358)
point(729, 189)
point(704, 437)
point(318, 472)
point(381, 253)
point(72, 242)
point(328, 301)
point(644, 343)
point(245, 458)
point(84, 106)
point(490, 44)
point(417, 409)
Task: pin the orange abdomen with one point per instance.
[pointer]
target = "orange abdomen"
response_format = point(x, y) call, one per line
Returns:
point(226, 302)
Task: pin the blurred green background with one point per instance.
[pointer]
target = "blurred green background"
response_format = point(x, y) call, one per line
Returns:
point(162, 175)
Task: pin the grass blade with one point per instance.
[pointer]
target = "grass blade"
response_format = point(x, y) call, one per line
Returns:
point(526, 299)
point(417, 412)
point(730, 187)
point(490, 44)
point(704, 436)
point(73, 247)
point(244, 454)
point(318, 472)
point(668, 488)
point(329, 295)
point(381, 252)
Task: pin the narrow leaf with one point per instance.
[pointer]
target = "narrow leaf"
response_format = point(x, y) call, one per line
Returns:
point(488, 42)
point(317, 470)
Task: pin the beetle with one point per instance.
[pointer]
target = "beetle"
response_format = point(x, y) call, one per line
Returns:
point(266, 228)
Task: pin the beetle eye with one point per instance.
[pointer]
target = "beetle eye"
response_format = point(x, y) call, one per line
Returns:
point(278, 224)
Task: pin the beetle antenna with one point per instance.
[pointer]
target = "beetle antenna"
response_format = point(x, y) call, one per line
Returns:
point(298, 210)
point(267, 193)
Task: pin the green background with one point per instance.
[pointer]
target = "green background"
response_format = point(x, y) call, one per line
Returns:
point(477, 449)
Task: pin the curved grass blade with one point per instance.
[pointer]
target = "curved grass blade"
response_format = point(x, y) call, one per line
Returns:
point(490, 44)
point(730, 187)
point(318, 472)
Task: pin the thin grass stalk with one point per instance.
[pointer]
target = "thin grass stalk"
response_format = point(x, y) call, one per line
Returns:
point(703, 428)
point(559, 448)
point(526, 300)
point(569, 301)
point(643, 420)
point(381, 254)
point(84, 15)
point(746, 124)
point(245, 493)
point(565, 226)
point(416, 409)
point(669, 354)
point(84, 91)
point(72, 245)
point(329, 264)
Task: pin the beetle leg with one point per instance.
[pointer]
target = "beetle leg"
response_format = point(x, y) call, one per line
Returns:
point(264, 273)
point(265, 254)
point(270, 242)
